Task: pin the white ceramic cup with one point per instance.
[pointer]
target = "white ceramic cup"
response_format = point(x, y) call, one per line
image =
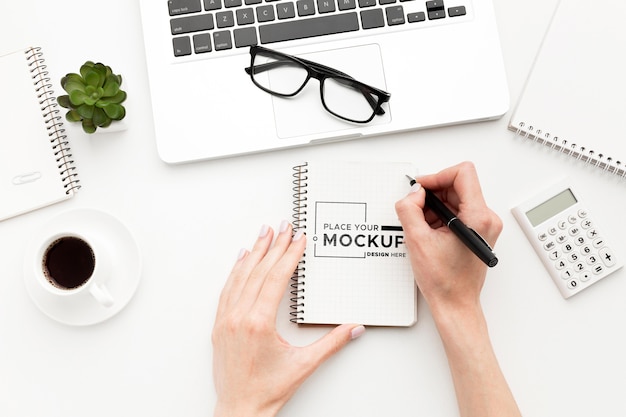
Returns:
point(93, 285)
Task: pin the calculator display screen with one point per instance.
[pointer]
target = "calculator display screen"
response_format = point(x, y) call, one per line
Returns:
point(551, 207)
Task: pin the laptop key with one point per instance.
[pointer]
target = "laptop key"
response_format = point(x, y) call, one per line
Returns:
point(178, 7)
point(182, 46)
point(309, 28)
point(202, 43)
point(191, 24)
point(245, 37)
point(305, 7)
point(222, 40)
point(372, 18)
point(456, 11)
point(395, 15)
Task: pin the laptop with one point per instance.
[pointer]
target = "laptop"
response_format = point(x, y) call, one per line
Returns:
point(441, 63)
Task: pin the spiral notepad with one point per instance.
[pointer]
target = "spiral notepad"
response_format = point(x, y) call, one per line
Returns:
point(573, 101)
point(356, 268)
point(36, 166)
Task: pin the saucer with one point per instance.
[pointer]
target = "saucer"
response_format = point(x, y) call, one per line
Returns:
point(83, 310)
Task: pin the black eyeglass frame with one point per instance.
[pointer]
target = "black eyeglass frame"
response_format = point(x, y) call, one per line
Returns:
point(321, 73)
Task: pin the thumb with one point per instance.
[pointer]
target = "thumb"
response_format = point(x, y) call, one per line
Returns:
point(332, 343)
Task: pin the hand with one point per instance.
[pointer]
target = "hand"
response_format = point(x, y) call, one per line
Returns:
point(255, 370)
point(450, 278)
point(446, 271)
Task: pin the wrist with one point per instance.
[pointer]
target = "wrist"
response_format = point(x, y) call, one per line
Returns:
point(462, 323)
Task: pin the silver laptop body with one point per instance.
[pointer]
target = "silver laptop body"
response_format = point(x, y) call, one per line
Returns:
point(441, 63)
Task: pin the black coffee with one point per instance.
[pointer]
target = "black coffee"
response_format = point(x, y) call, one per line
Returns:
point(68, 262)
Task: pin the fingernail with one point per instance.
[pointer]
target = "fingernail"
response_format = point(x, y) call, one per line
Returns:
point(242, 253)
point(298, 235)
point(416, 187)
point(264, 229)
point(357, 331)
point(283, 226)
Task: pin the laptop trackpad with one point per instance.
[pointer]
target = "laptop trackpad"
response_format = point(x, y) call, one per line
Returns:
point(304, 113)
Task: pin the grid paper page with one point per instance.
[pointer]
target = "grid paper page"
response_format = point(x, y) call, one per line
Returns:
point(356, 266)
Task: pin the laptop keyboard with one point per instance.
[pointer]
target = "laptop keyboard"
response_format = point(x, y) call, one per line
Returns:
point(209, 26)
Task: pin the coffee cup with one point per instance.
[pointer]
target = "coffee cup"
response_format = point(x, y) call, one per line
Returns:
point(71, 264)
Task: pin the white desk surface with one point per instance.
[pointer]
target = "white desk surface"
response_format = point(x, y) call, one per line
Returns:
point(561, 358)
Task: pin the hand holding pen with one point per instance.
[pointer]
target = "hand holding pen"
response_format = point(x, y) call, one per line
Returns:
point(467, 235)
point(442, 264)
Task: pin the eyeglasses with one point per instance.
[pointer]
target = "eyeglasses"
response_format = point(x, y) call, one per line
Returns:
point(344, 97)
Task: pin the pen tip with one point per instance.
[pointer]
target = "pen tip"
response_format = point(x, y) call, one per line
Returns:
point(411, 179)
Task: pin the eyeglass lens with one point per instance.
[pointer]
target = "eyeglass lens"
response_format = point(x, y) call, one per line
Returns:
point(283, 76)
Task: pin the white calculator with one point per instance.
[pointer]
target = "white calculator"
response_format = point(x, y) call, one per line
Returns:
point(567, 239)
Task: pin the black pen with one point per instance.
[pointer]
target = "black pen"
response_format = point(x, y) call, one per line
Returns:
point(467, 235)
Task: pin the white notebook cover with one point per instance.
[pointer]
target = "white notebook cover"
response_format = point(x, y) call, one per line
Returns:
point(575, 97)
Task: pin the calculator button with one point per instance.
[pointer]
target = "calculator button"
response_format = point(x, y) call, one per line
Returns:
point(573, 257)
point(567, 274)
point(567, 247)
point(585, 250)
point(572, 219)
point(592, 259)
point(607, 256)
point(592, 234)
point(552, 231)
point(574, 231)
point(549, 245)
point(579, 267)
point(598, 269)
point(542, 236)
point(562, 224)
point(598, 243)
point(561, 238)
point(572, 284)
point(585, 276)
point(560, 264)
point(580, 240)
point(555, 254)
point(582, 213)
point(586, 224)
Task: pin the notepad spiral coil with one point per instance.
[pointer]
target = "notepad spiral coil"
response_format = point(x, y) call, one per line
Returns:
point(52, 119)
point(581, 153)
point(300, 178)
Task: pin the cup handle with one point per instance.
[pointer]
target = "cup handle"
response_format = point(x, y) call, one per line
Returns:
point(102, 295)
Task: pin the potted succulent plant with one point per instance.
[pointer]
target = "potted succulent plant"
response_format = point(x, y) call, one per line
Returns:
point(94, 97)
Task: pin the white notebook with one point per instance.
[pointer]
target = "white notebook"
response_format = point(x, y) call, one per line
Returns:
point(356, 267)
point(574, 100)
point(36, 168)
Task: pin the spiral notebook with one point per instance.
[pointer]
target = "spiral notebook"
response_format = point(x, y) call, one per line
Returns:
point(36, 169)
point(356, 267)
point(574, 100)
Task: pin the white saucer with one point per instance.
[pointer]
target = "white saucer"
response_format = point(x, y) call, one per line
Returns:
point(83, 310)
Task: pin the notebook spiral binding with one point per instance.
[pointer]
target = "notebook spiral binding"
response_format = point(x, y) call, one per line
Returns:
point(300, 178)
point(53, 121)
point(581, 153)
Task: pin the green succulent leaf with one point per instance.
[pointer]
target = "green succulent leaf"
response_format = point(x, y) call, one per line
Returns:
point(99, 117)
point(64, 101)
point(92, 78)
point(117, 99)
point(73, 116)
point(88, 126)
point(71, 86)
point(72, 81)
point(85, 111)
point(77, 97)
point(111, 86)
point(86, 67)
point(115, 111)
